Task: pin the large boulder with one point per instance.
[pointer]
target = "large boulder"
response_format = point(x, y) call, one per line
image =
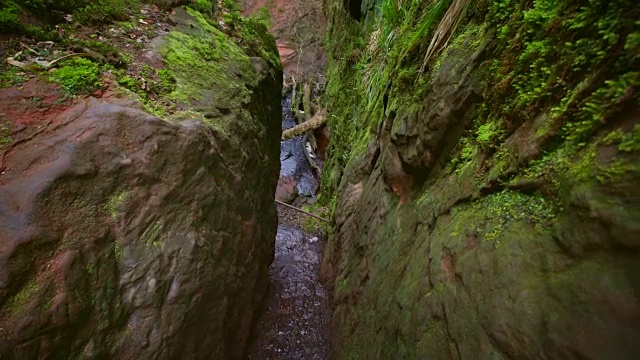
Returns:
point(123, 235)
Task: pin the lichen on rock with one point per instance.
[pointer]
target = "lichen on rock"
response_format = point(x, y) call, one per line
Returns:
point(126, 235)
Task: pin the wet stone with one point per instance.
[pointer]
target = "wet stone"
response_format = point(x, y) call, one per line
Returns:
point(295, 323)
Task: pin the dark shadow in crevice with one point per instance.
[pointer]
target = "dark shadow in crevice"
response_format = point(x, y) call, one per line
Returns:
point(354, 8)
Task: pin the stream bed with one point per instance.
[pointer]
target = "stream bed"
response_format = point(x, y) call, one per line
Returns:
point(296, 319)
point(295, 322)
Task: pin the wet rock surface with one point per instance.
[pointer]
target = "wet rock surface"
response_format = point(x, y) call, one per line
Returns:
point(296, 320)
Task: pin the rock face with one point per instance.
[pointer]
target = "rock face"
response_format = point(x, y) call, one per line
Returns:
point(487, 213)
point(126, 236)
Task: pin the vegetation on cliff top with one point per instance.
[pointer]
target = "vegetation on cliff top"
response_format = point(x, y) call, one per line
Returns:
point(222, 50)
point(569, 63)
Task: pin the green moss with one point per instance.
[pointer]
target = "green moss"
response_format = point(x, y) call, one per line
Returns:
point(5, 134)
point(117, 250)
point(101, 11)
point(313, 225)
point(116, 201)
point(128, 82)
point(207, 7)
point(491, 214)
point(471, 37)
point(151, 235)
point(489, 133)
point(77, 76)
point(9, 21)
point(11, 76)
point(18, 302)
point(208, 60)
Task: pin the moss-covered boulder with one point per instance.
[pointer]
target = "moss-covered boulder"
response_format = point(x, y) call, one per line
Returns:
point(484, 167)
point(128, 236)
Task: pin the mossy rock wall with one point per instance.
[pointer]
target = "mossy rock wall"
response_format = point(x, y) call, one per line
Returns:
point(486, 199)
point(128, 236)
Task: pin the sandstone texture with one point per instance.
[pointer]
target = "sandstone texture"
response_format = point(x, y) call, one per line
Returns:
point(127, 236)
point(484, 211)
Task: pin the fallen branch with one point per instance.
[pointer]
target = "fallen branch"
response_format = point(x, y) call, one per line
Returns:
point(315, 122)
point(302, 211)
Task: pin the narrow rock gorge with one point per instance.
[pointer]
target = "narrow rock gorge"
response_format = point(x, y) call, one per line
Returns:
point(484, 169)
point(478, 172)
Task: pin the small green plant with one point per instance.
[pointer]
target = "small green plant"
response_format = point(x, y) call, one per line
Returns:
point(77, 76)
point(115, 202)
point(117, 249)
point(631, 142)
point(128, 82)
point(489, 133)
point(101, 11)
point(627, 142)
point(5, 134)
point(11, 77)
point(206, 7)
point(167, 81)
point(595, 108)
point(313, 225)
point(9, 21)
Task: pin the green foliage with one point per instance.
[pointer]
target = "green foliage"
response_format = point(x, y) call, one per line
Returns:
point(115, 202)
point(631, 142)
point(167, 81)
point(152, 235)
point(263, 16)
point(84, 11)
point(5, 134)
point(627, 142)
point(595, 108)
point(207, 7)
point(489, 133)
point(128, 82)
point(428, 23)
point(9, 21)
point(17, 303)
point(77, 76)
point(556, 44)
point(313, 225)
point(10, 77)
point(497, 211)
point(101, 11)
